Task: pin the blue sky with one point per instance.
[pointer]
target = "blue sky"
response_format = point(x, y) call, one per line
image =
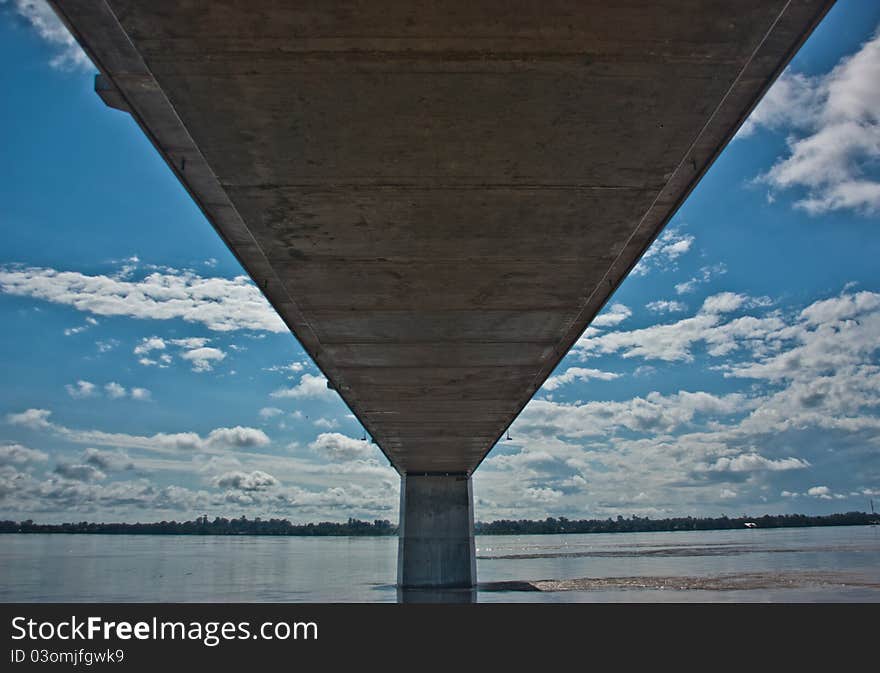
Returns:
point(735, 371)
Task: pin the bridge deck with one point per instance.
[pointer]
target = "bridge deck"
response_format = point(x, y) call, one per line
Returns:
point(439, 197)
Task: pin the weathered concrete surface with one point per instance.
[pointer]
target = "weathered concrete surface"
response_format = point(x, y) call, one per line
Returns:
point(436, 532)
point(438, 197)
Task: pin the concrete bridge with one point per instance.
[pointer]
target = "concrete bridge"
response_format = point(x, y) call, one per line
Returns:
point(438, 197)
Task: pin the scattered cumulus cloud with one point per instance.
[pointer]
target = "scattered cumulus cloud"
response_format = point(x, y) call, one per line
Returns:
point(666, 306)
point(751, 462)
point(81, 389)
point(107, 461)
point(664, 252)
point(674, 342)
point(654, 412)
point(834, 125)
point(194, 350)
point(90, 322)
point(115, 390)
point(220, 438)
point(614, 315)
point(18, 454)
point(79, 472)
point(106, 345)
point(67, 53)
point(246, 481)
point(309, 386)
point(31, 418)
point(703, 276)
point(290, 368)
point(149, 344)
point(190, 343)
point(203, 359)
point(337, 447)
point(573, 374)
point(724, 302)
point(220, 304)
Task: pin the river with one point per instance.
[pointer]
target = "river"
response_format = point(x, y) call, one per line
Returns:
point(750, 565)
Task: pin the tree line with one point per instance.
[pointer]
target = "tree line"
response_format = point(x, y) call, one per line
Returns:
point(355, 527)
point(203, 526)
point(635, 524)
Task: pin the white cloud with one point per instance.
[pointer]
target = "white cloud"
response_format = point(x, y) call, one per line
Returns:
point(542, 495)
point(573, 374)
point(836, 145)
point(81, 389)
point(31, 418)
point(728, 302)
point(114, 390)
point(290, 368)
point(665, 306)
point(192, 349)
point(220, 438)
point(218, 303)
point(723, 302)
point(107, 345)
point(203, 359)
point(727, 494)
point(341, 448)
point(69, 55)
point(252, 490)
point(653, 413)
point(70, 331)
point(140, 394)
point(673, 342)
point(614, 315)
point(190, 343)
point(668, 247)
point(309, 386)
point(79, 472)
point(752, 462)
point(107, 461)
point(704, 275)
point(269, 412)
point(149, 344)
point(244, 481)
point(830, 336)
point(526, 457)
point(820, 492)
point(791, 101)
point(842, 307)
point(18, 454)
point(238, 437)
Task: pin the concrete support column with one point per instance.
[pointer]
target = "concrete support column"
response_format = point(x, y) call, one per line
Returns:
point(436, 534)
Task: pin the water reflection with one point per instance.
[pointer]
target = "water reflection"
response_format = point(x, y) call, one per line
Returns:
point(788, 565)
point(436, 595)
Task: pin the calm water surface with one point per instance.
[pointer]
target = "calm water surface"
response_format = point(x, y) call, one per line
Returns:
point(782, 565)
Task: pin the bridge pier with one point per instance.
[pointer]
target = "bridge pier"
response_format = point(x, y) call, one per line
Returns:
point(436, 533)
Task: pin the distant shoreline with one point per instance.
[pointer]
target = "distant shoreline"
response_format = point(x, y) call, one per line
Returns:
point(384, 528)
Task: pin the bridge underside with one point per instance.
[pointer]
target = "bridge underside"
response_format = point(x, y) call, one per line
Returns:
point(438, 198)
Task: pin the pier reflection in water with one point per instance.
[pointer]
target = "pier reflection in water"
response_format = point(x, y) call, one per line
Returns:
point(436, 595)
